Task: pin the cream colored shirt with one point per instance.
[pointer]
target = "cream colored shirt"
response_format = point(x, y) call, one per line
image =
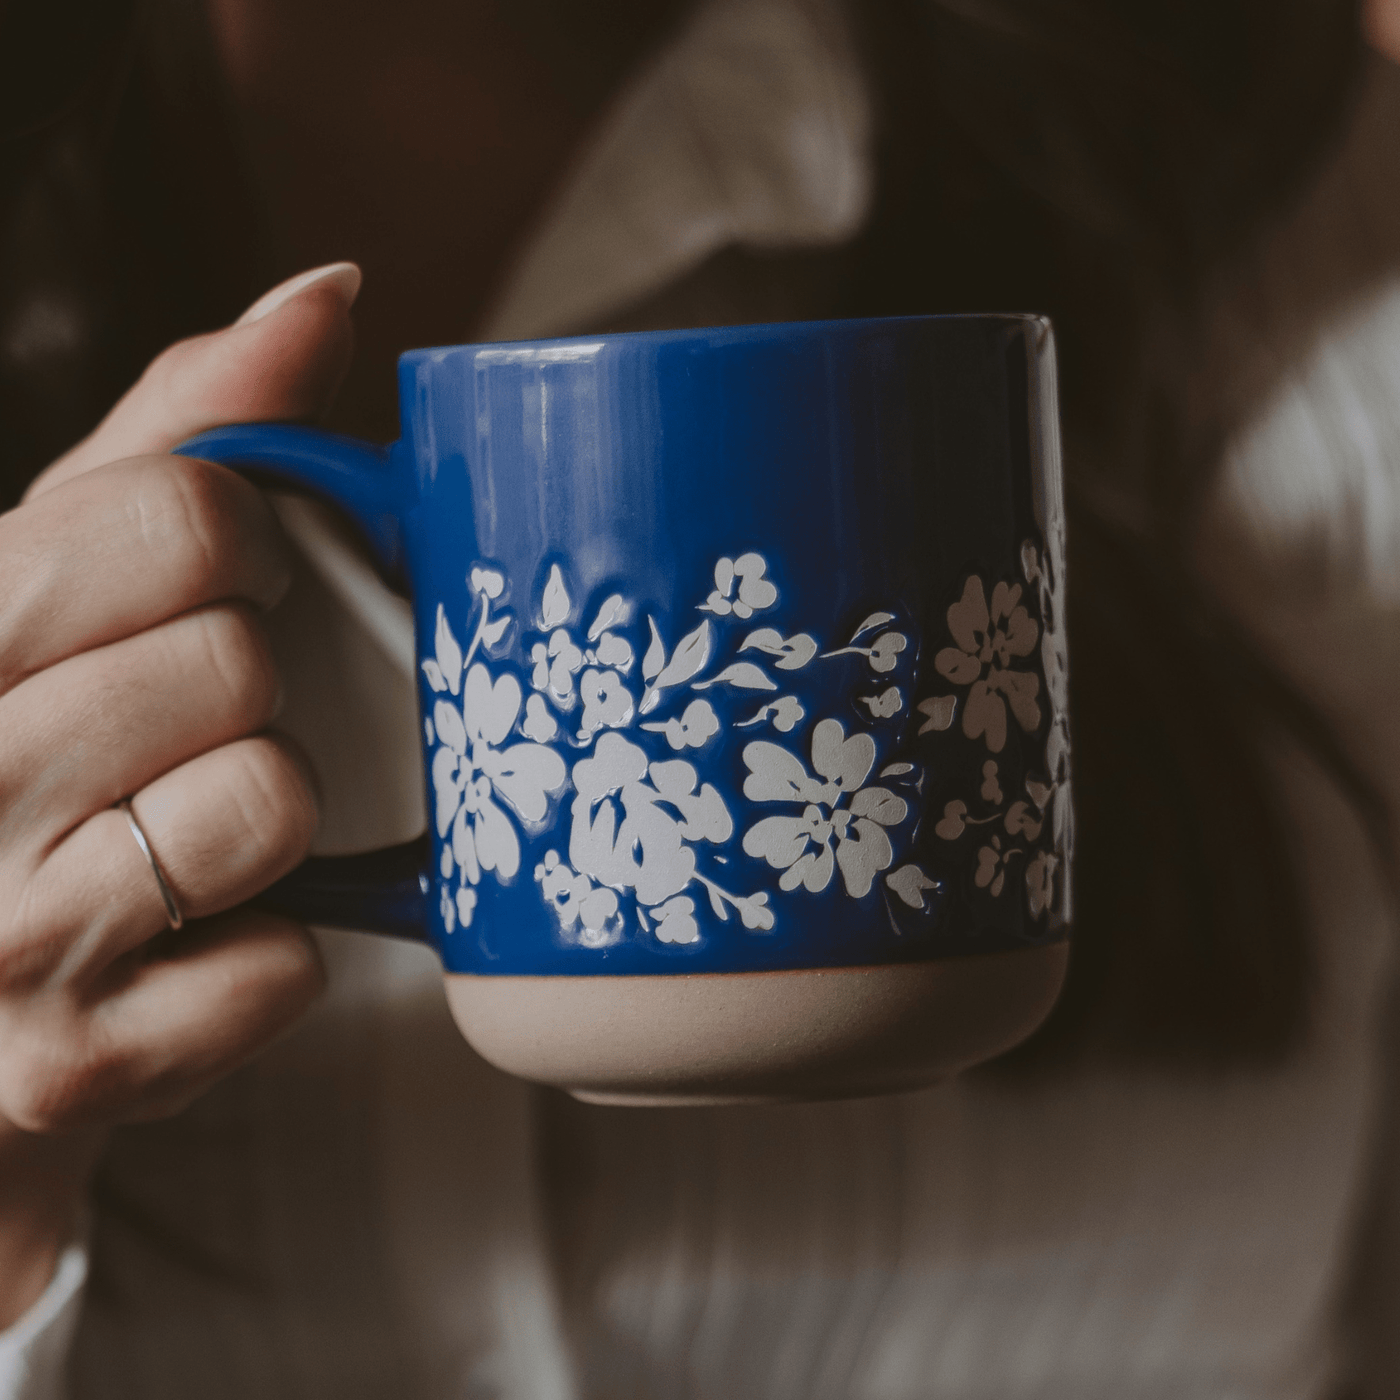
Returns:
point(370, 1210)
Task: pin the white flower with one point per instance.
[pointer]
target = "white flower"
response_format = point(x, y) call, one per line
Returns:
point(466, 904)
point(613, 650)
point(694, 728)
point(888, 702)
point(675, 921)
point(471, 770)
point(538, 723)
point(488, 581)
point(576, 900)
point(987, 640)
point(786, 713)
point(755, 592)
point(607, 703)
point(885, 652)
point(556, 664)
point(802, 846)
point(625, 829)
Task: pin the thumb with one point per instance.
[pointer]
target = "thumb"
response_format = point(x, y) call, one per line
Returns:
point(282, 359)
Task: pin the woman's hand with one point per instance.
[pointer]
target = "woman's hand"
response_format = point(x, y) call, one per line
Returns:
point(133, 665)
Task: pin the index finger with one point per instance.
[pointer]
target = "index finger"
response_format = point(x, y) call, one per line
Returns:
point(124, 547)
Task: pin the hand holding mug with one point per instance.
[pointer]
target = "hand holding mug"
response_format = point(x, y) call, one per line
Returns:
point(133, 665)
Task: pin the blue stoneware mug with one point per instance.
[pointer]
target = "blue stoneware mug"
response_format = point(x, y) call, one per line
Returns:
point(743, 698)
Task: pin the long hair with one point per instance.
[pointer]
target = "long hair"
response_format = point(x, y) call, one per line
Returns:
point(1103, 161)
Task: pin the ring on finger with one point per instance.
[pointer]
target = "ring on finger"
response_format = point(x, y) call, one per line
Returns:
point(172, 909)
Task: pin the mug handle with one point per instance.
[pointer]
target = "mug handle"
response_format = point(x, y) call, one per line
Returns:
point(381, 891)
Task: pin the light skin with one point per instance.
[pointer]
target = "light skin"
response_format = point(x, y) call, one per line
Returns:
point(132, 655)
point(133, 662)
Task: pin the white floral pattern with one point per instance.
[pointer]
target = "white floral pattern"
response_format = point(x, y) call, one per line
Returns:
point(828, 834)
point(754, 591)
point(1007, 835)
point(473, 768)
point(595, 735)
point(987, 640)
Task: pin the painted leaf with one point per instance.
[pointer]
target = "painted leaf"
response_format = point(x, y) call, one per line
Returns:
point(435, 679)
point(655, 659)
point(449, 654)
point(608, 614)
point(689, 658)
point(556, 606)
point(874, 620)
point(767, 639)
point(1039, 793)
point(742, 674)
point(789, 653)
point(754, 911)
point(909, 883)
point(939, 709)
point(448, 723)
point(494, 631)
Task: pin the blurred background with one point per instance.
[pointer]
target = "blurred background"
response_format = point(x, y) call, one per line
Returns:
point(1184, 1185)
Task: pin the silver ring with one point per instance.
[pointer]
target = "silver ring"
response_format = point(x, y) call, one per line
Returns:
point(172, 910)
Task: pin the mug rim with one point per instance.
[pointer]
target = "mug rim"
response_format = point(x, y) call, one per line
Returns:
point(748, 330)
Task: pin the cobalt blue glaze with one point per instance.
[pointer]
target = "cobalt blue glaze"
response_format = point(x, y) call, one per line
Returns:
point(741, 648)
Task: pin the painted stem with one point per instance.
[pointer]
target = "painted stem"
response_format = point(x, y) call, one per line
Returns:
point(723, 894)
point(480, 628)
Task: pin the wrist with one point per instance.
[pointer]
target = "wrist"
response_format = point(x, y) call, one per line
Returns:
point(42, 1180)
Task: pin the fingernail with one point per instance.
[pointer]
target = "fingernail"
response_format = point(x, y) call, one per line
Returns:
point(344, 277)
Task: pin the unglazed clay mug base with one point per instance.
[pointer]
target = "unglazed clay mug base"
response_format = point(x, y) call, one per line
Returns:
point(743, 699)
point(758, 1037)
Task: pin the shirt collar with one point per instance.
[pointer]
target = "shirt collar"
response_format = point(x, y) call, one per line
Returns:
point(752, 128)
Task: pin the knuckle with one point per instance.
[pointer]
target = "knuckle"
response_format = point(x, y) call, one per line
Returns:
point(237, 657)
point(56, 1081)
point(297, 968)
point(274, 803)
point(185, 515)
point(212, 530)
point(177, 374)
point(206, 534)
point(26, 956)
